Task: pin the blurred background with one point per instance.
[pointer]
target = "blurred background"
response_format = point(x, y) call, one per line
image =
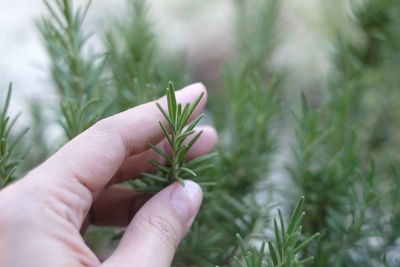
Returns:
point(202, 29)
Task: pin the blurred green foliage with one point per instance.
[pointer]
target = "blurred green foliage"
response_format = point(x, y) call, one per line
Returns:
point(343, 160)
point(11, 154)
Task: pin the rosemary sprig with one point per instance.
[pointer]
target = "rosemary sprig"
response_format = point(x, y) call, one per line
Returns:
point(176, 132)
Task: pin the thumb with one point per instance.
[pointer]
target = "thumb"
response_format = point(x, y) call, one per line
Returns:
point(156, 230)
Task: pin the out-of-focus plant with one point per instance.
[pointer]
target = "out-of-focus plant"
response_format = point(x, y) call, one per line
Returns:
point(138, 69)
point(284, 249)
point(76, 71)
point(11, 154)
point(341, 157)
point(326, 160)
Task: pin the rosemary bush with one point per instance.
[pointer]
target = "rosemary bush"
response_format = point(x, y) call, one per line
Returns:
point(344, 146)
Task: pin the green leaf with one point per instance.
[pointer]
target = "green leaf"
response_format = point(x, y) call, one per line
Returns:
point(207, 183)
point(181, 153)
point(279, 242)
point(272, 253)
point(180, 180)
point(194, 139)
point(242, 245)
point(184, 118)
point(261, 255)
point(202, 168)
point(194, 123)
point(305, 243)
point(167, 135)
point(171, 123)
point(172, 105)
point(189, 171)
point(201, 160)
point(155, 177)
point(158, 165)
point(195, 104)
point(306, 261)
point(296, 216)
point(6, 103)
point(183, 137)
point(162, 153)
point(282, 223)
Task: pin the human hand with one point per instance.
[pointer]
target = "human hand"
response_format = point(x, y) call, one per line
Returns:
point(41, 215)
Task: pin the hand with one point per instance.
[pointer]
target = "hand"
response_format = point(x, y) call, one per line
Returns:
point(41, 215)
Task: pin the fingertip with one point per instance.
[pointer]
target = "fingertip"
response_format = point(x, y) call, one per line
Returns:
point(186, 199)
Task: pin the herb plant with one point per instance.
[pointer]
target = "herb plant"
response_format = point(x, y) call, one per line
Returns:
point(10, 152)
point(284, 248)
point(76, 73)
point(339, 147)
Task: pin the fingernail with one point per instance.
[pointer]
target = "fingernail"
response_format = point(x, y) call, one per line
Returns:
point(186, 199)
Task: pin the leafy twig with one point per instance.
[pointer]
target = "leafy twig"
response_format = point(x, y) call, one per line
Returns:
point(177, 118)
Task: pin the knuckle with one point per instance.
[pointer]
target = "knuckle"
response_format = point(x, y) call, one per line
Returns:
point(111, 129)
point(104, 127)
point(106, 130)
point(163, 228)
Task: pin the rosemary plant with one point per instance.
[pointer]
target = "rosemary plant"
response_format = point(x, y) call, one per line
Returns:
point(339, 160)
point(284, 250)
point(40, 146)
point(10, 153)
point(137, 66)
point(77, 74)
point(132, 60)
point(339, 150)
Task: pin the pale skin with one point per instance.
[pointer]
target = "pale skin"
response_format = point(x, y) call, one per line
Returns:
point(43, 215)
